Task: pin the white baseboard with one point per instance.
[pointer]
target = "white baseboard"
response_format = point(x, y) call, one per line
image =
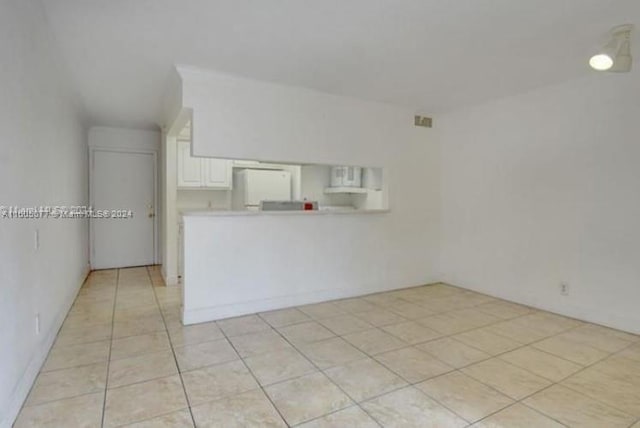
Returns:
point(561, 306)
point(200, 315)
point(590, 314)
point(169, 280)
point(23, 387)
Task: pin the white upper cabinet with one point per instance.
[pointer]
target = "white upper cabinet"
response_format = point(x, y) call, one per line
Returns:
point(189, 168)
point(217, 173)
point(202, 173)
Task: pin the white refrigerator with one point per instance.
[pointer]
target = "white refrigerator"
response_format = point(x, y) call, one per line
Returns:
point(251, 186)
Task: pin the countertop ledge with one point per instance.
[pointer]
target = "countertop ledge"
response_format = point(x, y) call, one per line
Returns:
point(197, 213)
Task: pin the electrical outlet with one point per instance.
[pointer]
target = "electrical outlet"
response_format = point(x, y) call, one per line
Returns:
point(564, 288)
point(37, 324)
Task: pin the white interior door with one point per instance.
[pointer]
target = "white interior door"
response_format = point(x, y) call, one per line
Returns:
point(123, 181)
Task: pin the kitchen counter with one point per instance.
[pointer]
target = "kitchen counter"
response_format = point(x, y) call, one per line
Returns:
point(242, 262)
point(210, 213)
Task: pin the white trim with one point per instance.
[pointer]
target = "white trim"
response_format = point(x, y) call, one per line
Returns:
point(123, 143)
point(560, 306)
point(213, 313)
point(38, 358)
point(169, 209)
point(154, 153)
point(579, 312)
point(184, 116)
point(169, 281)
point(584, 313)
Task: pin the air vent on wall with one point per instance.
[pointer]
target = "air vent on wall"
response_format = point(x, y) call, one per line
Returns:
point(423, 121)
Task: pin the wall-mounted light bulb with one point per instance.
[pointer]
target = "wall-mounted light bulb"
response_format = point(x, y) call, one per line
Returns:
point(601, 62)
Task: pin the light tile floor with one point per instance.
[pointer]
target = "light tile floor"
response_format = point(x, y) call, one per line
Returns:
point(431, 356)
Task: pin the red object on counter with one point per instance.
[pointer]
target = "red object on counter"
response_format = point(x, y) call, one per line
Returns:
point(308, 206)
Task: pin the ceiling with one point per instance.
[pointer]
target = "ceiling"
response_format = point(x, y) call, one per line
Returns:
point(429, 55)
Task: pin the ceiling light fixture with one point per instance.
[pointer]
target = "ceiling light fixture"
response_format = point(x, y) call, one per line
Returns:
point(616, 55)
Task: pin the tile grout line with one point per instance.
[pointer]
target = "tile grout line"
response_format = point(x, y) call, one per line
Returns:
point(414, 384)
point(520, 402)
point(609, 354)
point(115, 388)
point(260, 386)
point(24, 405)
point(409, 384)
point(113, 316)
point(553, 383)
point(453, 370)
point(318, 321)
point(367, 356)
point(558, 383)
point(321, 371)
point(459, 370)
point(522, 345)
point(451, 336)
point(354, 405)
point(588, 367)
point(175, 358)
point(409, 345)
point(491, 356)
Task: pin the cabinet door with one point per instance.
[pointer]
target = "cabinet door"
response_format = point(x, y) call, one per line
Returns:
point(217, 173)
point(189, 168)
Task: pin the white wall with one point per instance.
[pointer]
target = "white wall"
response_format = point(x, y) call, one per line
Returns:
point(244, 119)
point(241, 118)
point(43, 161)
point(543, 188)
